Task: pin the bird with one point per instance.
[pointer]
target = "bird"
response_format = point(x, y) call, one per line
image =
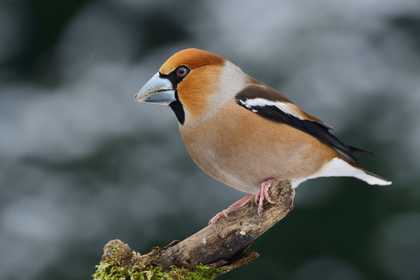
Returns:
point(245, 133)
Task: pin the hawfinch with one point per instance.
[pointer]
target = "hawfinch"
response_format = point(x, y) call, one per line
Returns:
point(245, 133)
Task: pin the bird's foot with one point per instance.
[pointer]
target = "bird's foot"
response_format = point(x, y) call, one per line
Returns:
point(225, 212)
point(263, 194)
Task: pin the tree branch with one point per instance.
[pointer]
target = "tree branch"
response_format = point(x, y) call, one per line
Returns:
point(223, 248)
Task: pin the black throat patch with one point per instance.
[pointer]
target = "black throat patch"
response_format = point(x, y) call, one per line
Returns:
point(176, 106)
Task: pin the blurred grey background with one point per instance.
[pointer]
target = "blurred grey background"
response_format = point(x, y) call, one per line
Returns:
point(81, 163)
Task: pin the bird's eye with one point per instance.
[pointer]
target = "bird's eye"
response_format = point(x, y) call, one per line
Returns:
point(182, 71)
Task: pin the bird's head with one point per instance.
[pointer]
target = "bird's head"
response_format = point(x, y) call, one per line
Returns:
point(194, 83)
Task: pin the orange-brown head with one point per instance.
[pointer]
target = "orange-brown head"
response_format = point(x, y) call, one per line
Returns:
point(193, 83)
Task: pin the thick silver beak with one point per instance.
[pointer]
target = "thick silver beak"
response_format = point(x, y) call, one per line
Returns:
point(157, 90)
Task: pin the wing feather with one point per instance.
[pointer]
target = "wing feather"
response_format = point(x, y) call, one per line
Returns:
point(269, 103)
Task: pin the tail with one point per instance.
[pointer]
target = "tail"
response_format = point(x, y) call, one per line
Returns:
point(367, 176)
point(373, 179)
point(339, 167)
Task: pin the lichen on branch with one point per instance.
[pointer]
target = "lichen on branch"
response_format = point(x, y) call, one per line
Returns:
point(205, 254)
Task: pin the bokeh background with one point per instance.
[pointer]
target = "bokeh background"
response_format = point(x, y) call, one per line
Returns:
point(81, 163)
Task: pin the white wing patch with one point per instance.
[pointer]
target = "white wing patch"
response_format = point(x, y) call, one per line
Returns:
point(288, 108)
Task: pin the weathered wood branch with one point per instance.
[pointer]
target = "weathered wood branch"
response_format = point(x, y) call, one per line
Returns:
point(223, 248)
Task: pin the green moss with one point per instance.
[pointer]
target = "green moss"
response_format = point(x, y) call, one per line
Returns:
point(106, 271)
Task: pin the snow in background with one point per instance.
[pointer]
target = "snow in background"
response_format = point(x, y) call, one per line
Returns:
point(81, 163)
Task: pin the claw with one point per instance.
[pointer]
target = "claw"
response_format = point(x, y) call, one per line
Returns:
point(226, 212)
point(263, 194)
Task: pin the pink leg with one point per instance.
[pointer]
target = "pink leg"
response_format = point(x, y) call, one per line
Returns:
point(259, 200)
point(225, 212)
point(263, 194)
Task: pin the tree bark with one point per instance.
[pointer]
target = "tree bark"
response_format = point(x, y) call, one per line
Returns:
point(223, 247)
